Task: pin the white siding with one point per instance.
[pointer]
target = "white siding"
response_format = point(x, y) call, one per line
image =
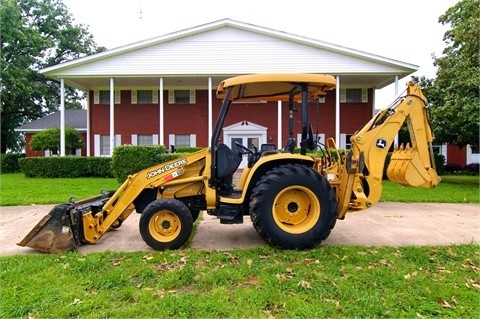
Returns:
point(229, 51)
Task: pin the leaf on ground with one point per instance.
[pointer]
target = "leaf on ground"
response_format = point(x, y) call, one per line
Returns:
point(76, 301)
point(249, 262)
point(475, 283)
point(304, 284)
point(283, 277)
point(335, 302)
point(445, 304)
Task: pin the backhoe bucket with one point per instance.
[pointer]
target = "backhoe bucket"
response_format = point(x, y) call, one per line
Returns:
point(407, 169)
point(53, 233)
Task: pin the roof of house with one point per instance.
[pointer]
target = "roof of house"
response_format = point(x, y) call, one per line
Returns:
point(222, 49)
point(73, 118)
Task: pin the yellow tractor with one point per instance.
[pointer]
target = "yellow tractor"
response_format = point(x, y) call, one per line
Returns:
point(292, 199)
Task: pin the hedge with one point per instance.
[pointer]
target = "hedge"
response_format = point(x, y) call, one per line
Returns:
point(130, 159)
point(9, 163)
point(70, 166)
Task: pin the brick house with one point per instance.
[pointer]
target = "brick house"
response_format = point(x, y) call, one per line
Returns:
point(73, 118)
point(162, 90)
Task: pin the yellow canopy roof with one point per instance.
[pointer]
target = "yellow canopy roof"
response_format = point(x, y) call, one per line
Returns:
point(275, 86)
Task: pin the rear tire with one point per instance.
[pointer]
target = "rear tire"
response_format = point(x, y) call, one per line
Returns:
point(166, 224)
point(293, 207)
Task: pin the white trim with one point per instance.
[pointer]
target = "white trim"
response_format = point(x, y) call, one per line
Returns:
point(337, 110)
point(118, 140)
point(96, 145)
point(193, 140)
point(161, 105)
point(472, 157)
point(279, 124)
point(112, 115)
point(62, 117)
point(210, 111)
point(88, 124)
point(133, 97)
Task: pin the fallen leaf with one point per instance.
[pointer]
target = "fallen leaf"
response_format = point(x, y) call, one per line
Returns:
point(304, 284)
point(249, 262)
point(76, 301)
point(445, 304)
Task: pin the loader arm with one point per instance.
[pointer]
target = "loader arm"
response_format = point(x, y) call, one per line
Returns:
point(410, 165)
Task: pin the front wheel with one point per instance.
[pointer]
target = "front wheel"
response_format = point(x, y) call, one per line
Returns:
point(166, 224)
point(293, 207)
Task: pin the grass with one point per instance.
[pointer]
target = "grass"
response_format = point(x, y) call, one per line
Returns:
point(328, 281)
point(16, 189)
point(451, 189)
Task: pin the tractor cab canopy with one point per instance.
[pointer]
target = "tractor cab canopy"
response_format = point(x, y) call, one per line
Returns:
point(275, 87)
point(264, 87)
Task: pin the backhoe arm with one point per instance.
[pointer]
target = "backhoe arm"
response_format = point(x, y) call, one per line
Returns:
point(410, 165)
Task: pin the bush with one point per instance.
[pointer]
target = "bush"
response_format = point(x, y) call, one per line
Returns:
point(473, 168)
point(129, 159)
point(188, 149)
point(70, 166)
point(9, 163)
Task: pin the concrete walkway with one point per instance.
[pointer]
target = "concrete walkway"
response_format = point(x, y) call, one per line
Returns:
point(392, 224)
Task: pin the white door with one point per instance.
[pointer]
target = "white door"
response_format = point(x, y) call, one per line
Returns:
point(250, 142)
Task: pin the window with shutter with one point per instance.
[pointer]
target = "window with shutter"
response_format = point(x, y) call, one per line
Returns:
point(103, 97)
point(354, 95)
point(181, 97)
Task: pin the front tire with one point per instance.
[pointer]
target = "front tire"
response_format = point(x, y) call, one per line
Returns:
point(293, 207)
point(166, 224)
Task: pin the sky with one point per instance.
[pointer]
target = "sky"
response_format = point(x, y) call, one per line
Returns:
point(403, 30)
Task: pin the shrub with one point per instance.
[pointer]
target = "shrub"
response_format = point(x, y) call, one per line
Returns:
point(130, 159)
point(188, 149)
point(9, 163)
point(70, 166)
point(473, 168)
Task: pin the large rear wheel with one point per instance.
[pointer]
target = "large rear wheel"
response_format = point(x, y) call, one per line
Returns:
point(166, 224)
point(293, 207)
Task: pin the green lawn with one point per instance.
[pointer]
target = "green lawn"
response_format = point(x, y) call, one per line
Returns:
point(326, 282)
point(451, 189)
point(16, 189)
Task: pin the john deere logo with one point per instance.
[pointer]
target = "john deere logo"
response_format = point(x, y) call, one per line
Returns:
point(381, 143)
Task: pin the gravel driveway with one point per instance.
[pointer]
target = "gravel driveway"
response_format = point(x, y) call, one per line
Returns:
point(392, 224)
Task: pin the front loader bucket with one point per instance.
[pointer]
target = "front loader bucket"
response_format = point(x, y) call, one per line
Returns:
point(53, 233)
point(407, 169)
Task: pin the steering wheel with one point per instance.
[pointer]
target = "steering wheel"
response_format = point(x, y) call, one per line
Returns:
point(242, 149)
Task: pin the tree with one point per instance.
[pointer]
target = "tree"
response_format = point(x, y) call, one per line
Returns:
point(50, 140)
point(454, 94)
point(35, 34)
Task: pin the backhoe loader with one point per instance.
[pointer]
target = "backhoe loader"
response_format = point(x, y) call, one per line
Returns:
point(293, 200)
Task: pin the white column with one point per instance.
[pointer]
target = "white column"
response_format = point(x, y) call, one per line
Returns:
point(210, 112)
point(279, 125)
point(161, 128)
point(62, 117)
point(397, 139)
point(112, 116)
point(88, 124)
point(337, 111)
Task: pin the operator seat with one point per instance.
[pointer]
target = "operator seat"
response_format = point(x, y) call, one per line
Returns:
point(227, 161)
